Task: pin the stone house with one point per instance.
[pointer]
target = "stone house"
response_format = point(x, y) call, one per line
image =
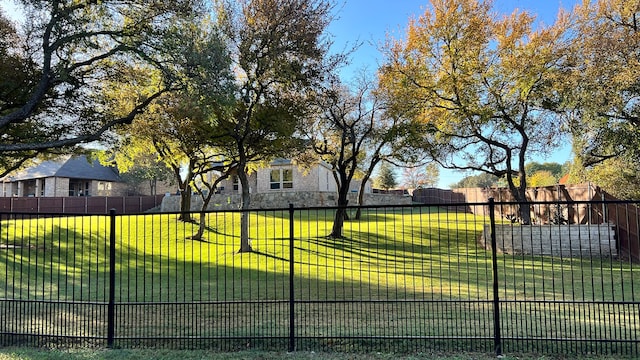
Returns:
point(281, 184)
point(283, 175)
point(69, 176)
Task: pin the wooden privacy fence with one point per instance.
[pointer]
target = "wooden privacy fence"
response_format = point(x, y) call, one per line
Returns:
point(80, 205)
point(580, 192)
point(573, 204)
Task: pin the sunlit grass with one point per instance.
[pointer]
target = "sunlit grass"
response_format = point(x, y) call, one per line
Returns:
point(398, 272)
point(404, 253)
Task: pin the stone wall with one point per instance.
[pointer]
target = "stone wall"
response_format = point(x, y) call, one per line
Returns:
point(276, 200)
point(597, 240)
point(108, 188)
point(56, 186)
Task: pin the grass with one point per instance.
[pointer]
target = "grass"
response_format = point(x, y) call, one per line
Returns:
point(415, 276)
point(84, 354)
point(32, 354)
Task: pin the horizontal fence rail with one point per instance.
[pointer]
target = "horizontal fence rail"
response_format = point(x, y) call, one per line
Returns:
point(401, 279)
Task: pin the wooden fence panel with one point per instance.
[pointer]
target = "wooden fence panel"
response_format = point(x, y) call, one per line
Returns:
point(97, 205)
point(50, 205)
point(79, 205)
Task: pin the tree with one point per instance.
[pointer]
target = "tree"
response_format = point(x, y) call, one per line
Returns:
point(59, 60)
point(416, 177)
point(432, 175)
point(18, 74)
point(347, 124)
point(483, 86)
point(542, 178)
point(413, 177)
point(617, 176)
point(144, 168)
point(179, 127)
point(393, 137)
point(177, 133)
point(177, 130)
point(601, 85)
point(602, 88)
point(386, 178)
point(279, 55)
point(353, 132)
point(556, 170)
point(482, 180)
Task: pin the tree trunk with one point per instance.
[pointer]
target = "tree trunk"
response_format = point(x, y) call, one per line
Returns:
point(520, 195)
point(201, 227)
point(203, 213)
point(525, 213)
point(341, 214)
point(363, 186)
point(185, 205)
point(245, 242)
point(525, 207)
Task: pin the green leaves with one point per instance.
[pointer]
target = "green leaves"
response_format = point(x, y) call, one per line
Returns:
point(478, 82)
point(62, 62)
point(603, 86)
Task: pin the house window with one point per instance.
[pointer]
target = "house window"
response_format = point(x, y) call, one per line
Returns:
point(281, 179)
point(287, 179)
point(275, 179)
point(236, 182)
point(79, 188)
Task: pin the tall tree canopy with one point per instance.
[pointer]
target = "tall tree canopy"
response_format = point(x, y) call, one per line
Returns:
point(483, 85)
point(279, 52)
point(602, 85)
point(352, 132)
point(180, 127)
point(386, 178)
point(481, 180)
point(59, 60)
point(425, 176)
point(343, 130)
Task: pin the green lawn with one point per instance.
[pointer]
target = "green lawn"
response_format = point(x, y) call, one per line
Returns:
point(403, 273)
point(384, 255)
point(29, 354)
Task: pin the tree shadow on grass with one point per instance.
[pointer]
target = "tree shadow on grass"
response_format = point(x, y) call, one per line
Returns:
point(170, 289)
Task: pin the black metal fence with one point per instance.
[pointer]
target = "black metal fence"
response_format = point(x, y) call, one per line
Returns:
point(401, 279)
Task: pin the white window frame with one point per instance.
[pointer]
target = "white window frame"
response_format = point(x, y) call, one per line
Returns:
point(280, 179)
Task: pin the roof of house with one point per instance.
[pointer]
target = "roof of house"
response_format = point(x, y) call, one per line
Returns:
point(286, 162)
point(76, 167)
point(564, 180)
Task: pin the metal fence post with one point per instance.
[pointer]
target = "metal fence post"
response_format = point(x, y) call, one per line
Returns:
point(497, 340)
point(292, 303)
point(111, 313)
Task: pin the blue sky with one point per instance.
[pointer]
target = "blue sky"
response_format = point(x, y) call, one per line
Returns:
point(369, 21)
point(8, 7)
